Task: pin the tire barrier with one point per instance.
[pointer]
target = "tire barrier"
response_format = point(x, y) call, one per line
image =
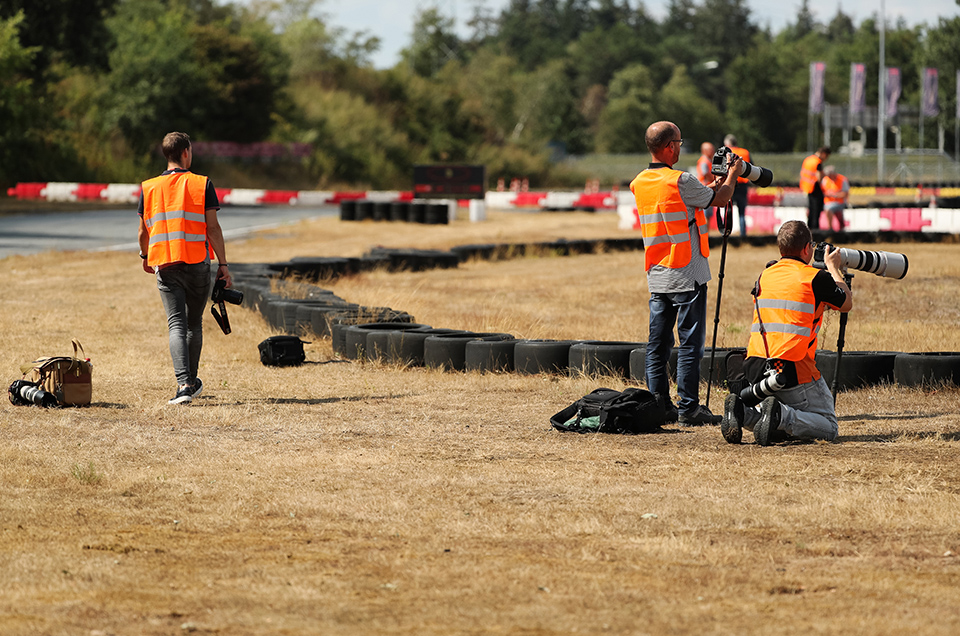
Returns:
point(406, 347)
point(287, 296)
point(449, 351)
point(532, 357)
point(355, 336)
point(489, 355)
point(418, 211)
point(599, 357)
point(926, 369)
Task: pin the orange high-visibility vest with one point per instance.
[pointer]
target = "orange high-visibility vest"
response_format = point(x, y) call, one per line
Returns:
point(808, 173)
point(173, 211)
point(663, 219)
point(744, 154)
point(833, 189)
point(790, 315)
point(704, 164)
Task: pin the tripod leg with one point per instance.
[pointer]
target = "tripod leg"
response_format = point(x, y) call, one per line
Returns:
point(720, 274)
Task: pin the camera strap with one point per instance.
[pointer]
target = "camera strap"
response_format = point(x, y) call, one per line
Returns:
point(756, 306)
point(221, 316)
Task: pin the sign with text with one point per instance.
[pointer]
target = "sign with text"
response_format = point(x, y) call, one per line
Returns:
point(449, 182)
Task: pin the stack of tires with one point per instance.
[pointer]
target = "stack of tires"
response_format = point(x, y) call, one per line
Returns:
point(416, 211)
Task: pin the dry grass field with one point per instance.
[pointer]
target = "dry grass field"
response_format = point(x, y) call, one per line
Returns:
point(362, 498)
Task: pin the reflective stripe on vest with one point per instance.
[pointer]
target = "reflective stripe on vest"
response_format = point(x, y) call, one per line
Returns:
point(790, 315)
point(832, 188)
point(808, 173)
point(663, 219)
point(173, 212)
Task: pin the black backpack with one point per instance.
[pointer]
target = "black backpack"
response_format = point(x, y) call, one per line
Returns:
point(282, 351)
point(630, 412)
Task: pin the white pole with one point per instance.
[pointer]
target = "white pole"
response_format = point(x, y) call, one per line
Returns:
point(882, 98)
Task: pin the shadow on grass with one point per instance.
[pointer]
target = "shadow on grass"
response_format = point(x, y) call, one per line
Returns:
point(892, 437)
point(327, 400)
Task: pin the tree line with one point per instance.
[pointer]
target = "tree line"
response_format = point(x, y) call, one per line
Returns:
point(88, 87)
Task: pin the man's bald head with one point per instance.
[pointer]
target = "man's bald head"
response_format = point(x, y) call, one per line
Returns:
point(707, 148)
point(659, 134)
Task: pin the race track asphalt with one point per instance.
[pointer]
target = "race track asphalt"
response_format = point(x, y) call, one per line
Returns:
point(116, 229)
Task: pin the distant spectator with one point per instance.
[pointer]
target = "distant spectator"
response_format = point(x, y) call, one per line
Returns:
point(836, 191)
point(739, 197)
point(704, 164)
point(811, 173)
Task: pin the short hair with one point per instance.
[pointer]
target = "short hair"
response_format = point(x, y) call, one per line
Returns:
point(658, 135)
point(829, 171)
point(174, 144)
point(793, 237)
point(824, 150)
point(730, 140)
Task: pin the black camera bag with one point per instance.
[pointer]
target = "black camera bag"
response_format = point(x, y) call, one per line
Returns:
point(282, 351)
point(629, 412)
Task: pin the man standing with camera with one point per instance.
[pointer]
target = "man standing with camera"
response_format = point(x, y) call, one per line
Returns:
point(179, 233)
point(811, 173)
point(789, 300)
point(670, 205)
point(836, 191)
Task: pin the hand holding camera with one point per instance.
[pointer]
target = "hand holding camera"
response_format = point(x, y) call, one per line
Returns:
point(221, 295)
point(725, 159)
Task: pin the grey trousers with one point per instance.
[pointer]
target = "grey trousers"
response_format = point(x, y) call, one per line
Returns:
point(184, 290)
point(807, 412)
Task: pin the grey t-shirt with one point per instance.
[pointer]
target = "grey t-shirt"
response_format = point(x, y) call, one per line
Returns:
point(664, 280)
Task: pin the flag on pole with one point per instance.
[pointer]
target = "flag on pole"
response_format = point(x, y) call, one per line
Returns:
point(929, 107)
point(893, 89)
point(958, 94)
point(817, 73)
point(858, 92)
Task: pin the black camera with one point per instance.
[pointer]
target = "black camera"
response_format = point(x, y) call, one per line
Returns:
point(24, 393)
point(722, 159)
point(886, 264)
point(221, 295)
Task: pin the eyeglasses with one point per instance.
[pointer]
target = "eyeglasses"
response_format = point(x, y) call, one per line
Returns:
point(678, 141)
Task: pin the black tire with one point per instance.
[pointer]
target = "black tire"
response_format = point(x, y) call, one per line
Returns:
point(417, 212)
point(381, 210)
point(348, 210)
point(338, 321)
point(449, 351)
point(721, 361)
point(364, 210)
point(377, 346)
point(317, 268)
point(531, 357)
point(601, 357)
point(489, 355)
point(437, 214)
point(355, 336)
point(399, 210)
point(406, 347)
point(857, 368)
point(919, 369)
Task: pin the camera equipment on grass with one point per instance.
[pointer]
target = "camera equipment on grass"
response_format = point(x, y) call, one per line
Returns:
point(724, 157)
point(220, 296)
point(24, 393)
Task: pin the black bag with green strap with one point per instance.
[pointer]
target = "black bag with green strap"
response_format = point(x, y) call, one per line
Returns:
point(630, 412)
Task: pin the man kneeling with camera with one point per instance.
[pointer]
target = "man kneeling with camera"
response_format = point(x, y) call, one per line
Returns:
point(786, 397)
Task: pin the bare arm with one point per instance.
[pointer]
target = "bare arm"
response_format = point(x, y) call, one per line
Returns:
point(215, 236)
point(831, 258)
point(725, 191)
point(143, 238)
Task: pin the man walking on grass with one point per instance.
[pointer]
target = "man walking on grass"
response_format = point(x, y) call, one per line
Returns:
point(179, 233)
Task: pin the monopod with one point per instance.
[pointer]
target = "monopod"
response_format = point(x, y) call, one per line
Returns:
point(848, 279)
point(727, 227)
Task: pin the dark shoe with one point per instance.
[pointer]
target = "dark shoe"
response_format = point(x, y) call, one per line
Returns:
point(669, 409)
point(767, 430)
point(701, 416)
point(197, 388)
point(183, 396)
point(732, 425)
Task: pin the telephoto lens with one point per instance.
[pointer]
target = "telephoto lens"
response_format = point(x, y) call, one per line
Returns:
point(24, 393)
point(757, 393)
point(886, 264)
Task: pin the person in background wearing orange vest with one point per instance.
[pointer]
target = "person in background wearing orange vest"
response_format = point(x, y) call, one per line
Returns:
point(179, 232)
point(789, 300)
point(739, 197)
point(836, 191)
point(670, 206)
point(811, 173)
point(704, 163)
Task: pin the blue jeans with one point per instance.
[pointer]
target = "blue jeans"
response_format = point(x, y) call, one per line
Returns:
point(688, 311)
point(184, 290)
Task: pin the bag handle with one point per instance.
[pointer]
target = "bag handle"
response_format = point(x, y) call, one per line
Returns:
point(77, 346)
